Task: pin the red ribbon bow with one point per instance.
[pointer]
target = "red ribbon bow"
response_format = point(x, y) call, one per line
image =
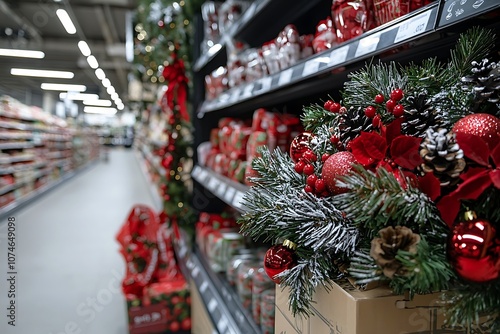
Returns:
point(175, 75)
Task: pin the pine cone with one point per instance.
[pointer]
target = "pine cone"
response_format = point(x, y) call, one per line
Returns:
point(442, 156)
point(419, 116)
point(485, 83)
point(352, 123)
point(385, 248)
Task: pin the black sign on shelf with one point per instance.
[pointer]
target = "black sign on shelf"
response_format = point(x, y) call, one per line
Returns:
point(458, 10)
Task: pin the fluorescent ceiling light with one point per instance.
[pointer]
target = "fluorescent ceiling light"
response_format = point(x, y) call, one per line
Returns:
point(100, 110)
point(42, 73)
point(99, 73)
point(78, 96)
point(84, 48)
point(66, 21)
point(120, 107)
point(100, 103)
point(114, 96)
point(92, 62)
point(63, 87)
point(110, 90)
point(22, 53)
point(106, 83)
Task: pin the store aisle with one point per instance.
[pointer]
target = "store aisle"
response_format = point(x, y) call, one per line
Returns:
point(68, 265)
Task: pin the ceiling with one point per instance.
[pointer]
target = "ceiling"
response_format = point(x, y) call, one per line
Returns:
point(33, 24)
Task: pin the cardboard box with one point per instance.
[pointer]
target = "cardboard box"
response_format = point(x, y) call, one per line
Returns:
point(345, 310)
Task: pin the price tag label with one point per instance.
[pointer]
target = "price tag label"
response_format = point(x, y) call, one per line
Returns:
point(248, 90)
point(222, 189)
point(285, 77)
point(183, 251)
point(367, 45)
point(195, 272)
point(310, 67)
point(266, 84)
point(203, 287)
point(213, 183)
point(196, 171)
point(413, 27)
point(339, 55)
point(229, 194)
point(203, 175)
point(212, 305)
point(222, 324)
point(237, 200)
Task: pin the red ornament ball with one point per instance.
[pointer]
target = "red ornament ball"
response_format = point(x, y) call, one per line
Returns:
point(167, 160)
point(310, 156)
point(485, 126)
point(308, 188)
point(338, 164)
point(335, 108)
point(474, 250)
point(300, 144)
point(279, 258)
point(320, 186)
point(379, 98)
point(324, 157)
point(311, 180)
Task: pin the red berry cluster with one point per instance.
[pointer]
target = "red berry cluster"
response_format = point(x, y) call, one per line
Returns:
point(392, 105)
point(314, 184)
point(333, 106)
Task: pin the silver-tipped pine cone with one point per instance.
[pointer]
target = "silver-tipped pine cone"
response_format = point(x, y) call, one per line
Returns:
point(442, 156)
point(352, 123)
point(484, 82)
point(419, 116)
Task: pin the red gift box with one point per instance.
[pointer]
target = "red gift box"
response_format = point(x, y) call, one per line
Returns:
point(325, 37)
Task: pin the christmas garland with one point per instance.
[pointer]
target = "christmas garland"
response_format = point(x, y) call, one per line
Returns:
point(398, 183)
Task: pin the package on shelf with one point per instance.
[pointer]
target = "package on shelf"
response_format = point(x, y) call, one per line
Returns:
point(267, 311)
point(326, 36)
point(209, 12)
point(229, 12)
point(306, 45)
point(256, 66)
point(208, 222)
point(165, 308)
point(347, 310)
point(216, 82)
point(221, 245)
point(270, 53)
point(244, 283)
point(288, 42)
point(351, 18)
point(242, 255)
point(237, 58)
point(240, 172)
point(388, 10)
point(261, 282)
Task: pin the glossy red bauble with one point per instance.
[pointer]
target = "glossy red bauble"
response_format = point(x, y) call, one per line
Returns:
point(370, 111)
point(299, 166)
point(397, 94)
point(485, 126)
point(398, 111)
point(279, 258)
point(474, 250)
point(308, 169)
point(338, 164)
point(379, 98)
point(335, 108)
point(328, 105)
point(390, 104)
point(310, 156)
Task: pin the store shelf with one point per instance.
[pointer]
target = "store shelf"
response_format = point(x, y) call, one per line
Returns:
point(158, 201)
point(26, 199)
point(220, 299)
point(260, 16)
point(6, 135)
point(412, 26)
point(19, 158)
point(20, 168)
point(227, 190)
point(15, 125)
point(16, 145)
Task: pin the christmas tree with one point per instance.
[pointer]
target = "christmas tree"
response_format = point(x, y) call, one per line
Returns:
point(397, 183)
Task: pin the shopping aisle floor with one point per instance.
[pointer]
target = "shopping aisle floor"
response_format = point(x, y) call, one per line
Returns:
point(68, 265)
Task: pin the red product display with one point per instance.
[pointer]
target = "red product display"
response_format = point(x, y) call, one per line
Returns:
point(152, 278)
point(388, 10)
point(325, 37)
point(351, 18)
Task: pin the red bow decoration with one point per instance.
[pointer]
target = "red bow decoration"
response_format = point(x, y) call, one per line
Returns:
point(175, 75)
point(477, 179)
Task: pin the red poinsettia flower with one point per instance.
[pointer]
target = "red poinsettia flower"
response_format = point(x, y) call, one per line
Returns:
point(477, 179)
point(389, 149)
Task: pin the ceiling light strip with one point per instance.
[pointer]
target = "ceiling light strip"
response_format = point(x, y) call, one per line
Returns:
point(28, 72)
point(22, 53)
point(66, 21)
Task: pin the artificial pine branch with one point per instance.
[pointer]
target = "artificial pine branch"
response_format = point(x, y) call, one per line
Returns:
point(467, 304)
point(425, 78)
point(364, 269)
point(426, 271)
point(377, 200)
point(315, 116)
point(475, 44)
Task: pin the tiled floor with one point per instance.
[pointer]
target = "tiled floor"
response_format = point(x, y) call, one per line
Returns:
point(68, 265)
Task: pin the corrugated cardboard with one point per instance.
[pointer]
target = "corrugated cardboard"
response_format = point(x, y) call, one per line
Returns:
point(377, 311)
